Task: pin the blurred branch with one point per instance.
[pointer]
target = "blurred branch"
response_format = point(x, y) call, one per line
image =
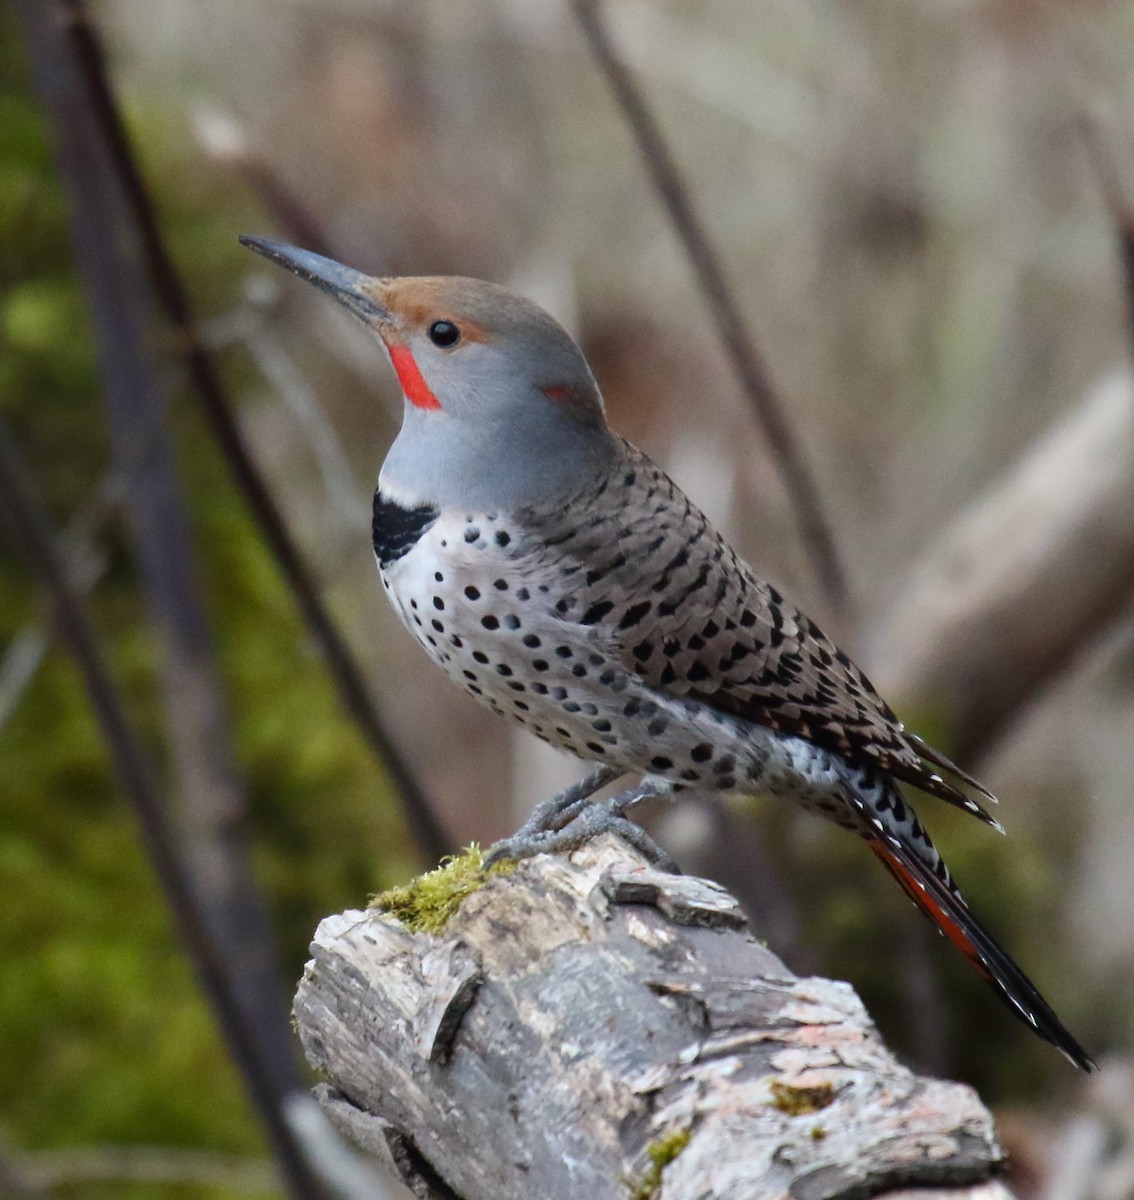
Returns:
point(48, 1170)
point(222, 138)
point(1022, 581)
point(275, 364)
point(313, 1165)
point(1112, 158)
point(709, 271)
point(424, 826)
point(196, 715)
point(29, 527)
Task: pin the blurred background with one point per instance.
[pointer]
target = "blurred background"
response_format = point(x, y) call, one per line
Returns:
point(923, 211)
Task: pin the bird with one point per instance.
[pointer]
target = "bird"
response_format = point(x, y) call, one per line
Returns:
point(559, 577)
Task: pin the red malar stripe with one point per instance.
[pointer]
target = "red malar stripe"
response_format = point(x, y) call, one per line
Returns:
point(410, 377)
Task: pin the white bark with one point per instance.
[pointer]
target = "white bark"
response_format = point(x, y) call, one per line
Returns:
point(581, 1011)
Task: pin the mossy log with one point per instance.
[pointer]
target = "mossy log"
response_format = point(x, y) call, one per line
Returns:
point(592, 1027)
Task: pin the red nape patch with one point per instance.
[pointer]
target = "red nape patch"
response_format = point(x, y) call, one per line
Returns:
point(557, 391)
point(409, 376)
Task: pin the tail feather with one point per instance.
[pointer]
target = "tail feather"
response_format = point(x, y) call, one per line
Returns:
point(928, 885)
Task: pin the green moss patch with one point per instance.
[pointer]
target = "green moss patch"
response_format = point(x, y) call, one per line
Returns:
point(426, 904)
point(800, 1101)
point(660, 1153)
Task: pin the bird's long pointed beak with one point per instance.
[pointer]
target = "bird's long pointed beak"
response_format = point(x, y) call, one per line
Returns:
point(351, 288)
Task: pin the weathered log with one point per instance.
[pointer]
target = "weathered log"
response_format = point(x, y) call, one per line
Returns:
point(593, 1027)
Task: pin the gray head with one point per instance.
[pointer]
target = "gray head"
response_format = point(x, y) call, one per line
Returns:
point(501, 409)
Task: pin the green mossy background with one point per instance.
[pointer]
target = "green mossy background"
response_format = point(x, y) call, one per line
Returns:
point(105, 1038)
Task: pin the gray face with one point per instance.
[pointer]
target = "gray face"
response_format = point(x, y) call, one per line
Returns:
point(520, 418)
point(504, 414)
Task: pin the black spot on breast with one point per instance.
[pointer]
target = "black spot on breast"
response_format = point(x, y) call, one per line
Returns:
point(634, 614)
point(531, 641)
point(472, 593)
point(395, 530)
point(503, 537)
point(490, 622)
point(596, 612)
point(660, 763)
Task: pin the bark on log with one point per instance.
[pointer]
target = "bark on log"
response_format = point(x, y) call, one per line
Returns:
point(583, 1021)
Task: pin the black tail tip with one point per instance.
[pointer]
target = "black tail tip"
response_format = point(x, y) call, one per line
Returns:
point(1076, 1055)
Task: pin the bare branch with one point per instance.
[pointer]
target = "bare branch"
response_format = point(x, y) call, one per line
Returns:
point(197, 719)
point(427, 832)
point(1022, 581)
point(224, 141)
point(590, 1026)
point(712, 279)
point(28, 523)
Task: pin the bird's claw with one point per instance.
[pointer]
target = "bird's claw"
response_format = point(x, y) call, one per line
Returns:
point(578, 823)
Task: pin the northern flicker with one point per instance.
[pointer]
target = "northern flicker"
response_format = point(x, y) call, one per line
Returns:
point(558, 576)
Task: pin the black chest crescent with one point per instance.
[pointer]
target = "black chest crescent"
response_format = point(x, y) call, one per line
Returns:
point(396, 529)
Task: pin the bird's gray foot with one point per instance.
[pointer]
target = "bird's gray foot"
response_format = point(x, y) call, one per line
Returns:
point(557, 810)
point(579, 822)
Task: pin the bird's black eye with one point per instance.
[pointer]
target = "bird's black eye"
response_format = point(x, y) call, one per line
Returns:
point(444, 334)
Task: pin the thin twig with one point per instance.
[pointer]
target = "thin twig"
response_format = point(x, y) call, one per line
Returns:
point(710, 273)
point(223, 139)
point(275, 364)
point(427, 832)
point(28, 524)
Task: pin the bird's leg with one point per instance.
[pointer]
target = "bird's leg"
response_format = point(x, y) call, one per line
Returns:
point(557, 810)
point(581, 823)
